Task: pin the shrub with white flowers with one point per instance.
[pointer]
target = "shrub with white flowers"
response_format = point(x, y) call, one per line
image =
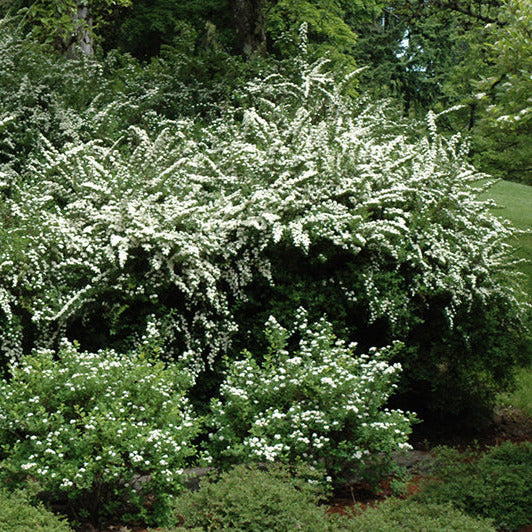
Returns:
point(318, 404)
point(297, 198)
point(104, 432)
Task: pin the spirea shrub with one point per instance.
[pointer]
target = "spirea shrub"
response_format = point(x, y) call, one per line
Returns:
point(297, 197)
point(108, 434)
point(318, 404)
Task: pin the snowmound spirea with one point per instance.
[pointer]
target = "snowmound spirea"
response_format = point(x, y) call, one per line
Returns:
point(107, 432)
point(184, 220)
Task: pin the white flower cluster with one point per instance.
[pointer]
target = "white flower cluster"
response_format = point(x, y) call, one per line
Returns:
point(191, 216)
point(89, 421)
point(324, 405)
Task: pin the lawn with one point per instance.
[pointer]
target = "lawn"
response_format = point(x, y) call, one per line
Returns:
point(515, 203)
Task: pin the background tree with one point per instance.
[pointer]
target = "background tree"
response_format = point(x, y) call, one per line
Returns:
point(66, 25)
point(505, 94)
point(439, 54)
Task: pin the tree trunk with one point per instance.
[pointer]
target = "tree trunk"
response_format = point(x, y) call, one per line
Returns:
point(82, 38)
point(248, 20)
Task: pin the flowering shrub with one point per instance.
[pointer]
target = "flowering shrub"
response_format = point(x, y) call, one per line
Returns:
point(318, 404)
point(103, 431)
point(297, 198)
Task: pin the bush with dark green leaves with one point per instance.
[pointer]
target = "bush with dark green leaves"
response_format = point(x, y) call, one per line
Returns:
point(254, 499)
point(395, 515)
point(495, 484)
point(18, 515)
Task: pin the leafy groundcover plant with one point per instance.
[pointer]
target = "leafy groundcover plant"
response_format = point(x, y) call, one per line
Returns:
point(495, 484)
point(18, 515)
point(317, 403)
point(105, 434)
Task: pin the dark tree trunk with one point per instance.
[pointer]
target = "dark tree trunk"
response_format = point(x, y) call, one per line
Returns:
point(472, 115)
point(248, 20)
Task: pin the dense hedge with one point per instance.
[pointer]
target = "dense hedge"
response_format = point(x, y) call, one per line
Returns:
point(295, 196)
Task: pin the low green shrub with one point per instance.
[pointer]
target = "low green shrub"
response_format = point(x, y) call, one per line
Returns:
point(105, 433)
point(395, 515)
point(317, 404)
point(248, 498)
point(495, 484)
point(18, 515)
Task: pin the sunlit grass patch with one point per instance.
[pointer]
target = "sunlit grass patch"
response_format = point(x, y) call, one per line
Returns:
point(515, 202)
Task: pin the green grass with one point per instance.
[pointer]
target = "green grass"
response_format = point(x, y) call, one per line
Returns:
point(515, 202)
point(521, 397)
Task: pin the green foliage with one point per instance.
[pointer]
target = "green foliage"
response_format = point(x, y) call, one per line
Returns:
point(520, 396)
point(295, 197)
point(505, 136)
point(317, 404)
point(103, 432)
point(512, 51)
point(494, 484)
point(153, 24)
point(327, 31)
point(57, 23)
point(409, 52)
point(251, 498)
point(18, 515)
point(395, 515)
point(436, 55)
